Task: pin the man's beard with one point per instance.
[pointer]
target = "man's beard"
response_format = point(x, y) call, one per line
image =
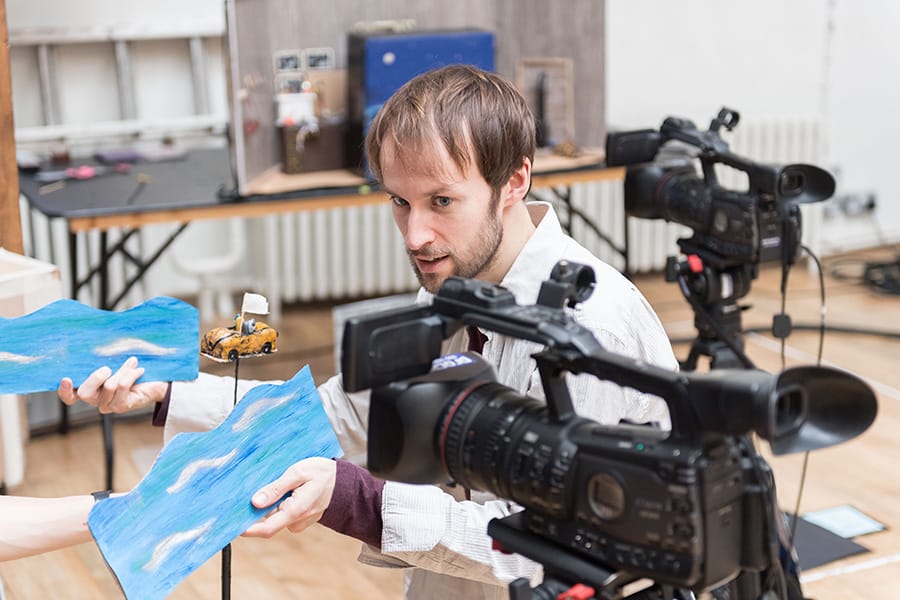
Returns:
point(483, 256)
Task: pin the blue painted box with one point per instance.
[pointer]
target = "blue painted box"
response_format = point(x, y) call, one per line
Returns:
point(379, 63)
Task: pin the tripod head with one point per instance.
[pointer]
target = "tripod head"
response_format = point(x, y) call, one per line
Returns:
point(713, 287)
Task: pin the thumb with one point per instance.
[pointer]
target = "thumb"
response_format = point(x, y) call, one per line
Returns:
point(269, 494)
point(66, 391)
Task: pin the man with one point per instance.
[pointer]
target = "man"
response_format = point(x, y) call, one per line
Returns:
point(453, 149)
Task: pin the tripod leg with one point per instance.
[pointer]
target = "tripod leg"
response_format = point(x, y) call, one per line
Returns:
point(690, 363)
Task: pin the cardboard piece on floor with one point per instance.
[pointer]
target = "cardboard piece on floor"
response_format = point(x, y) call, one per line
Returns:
point(196, 498)
point(844, 520)
point(817, 546)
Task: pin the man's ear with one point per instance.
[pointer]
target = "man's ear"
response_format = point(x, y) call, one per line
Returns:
point(519, 183)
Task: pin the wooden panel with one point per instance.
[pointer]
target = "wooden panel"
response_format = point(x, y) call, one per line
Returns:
point(569, 29)
point(10, 224)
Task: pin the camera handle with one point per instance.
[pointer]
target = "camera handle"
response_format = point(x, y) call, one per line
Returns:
point(566, 574)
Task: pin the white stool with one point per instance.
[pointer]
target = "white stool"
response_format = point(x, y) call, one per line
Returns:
point(215, 271)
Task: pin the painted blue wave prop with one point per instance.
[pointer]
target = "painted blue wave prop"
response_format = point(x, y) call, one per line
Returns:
point(196, 498)
point(69, 339)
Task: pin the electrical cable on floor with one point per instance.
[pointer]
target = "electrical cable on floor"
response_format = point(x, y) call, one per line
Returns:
point(881, 276)
point(852, 270)
point(822, 313)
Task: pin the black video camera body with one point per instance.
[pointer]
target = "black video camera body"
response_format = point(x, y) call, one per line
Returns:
point(757, 225)
point(627, 497)
point(686, 508)
point(658, 508)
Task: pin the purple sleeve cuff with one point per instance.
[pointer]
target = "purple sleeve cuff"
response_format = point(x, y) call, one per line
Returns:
point(355, 508)
point(161, 410)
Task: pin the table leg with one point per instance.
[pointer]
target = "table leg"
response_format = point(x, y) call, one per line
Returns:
point(104, 272)
point(63, 426)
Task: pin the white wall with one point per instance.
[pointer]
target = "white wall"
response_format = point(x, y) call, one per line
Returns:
point(835, 61)
point(862, 99)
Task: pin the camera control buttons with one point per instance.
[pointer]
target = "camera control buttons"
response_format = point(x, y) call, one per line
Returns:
point(681, 505)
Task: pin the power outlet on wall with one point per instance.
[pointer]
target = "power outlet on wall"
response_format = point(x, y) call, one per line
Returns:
point(851, 204)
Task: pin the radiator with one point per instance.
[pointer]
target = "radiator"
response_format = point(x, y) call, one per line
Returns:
point(343, 253)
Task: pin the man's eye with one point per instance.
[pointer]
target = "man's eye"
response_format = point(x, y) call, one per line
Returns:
point(398, 201)
point(443, 201)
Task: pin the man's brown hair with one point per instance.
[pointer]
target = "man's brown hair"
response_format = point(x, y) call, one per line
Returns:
point(479, 116)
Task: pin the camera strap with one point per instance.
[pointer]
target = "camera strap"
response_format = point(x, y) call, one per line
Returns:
point(477, 338)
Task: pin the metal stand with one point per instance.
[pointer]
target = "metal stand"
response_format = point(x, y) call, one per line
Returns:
point(226, 551)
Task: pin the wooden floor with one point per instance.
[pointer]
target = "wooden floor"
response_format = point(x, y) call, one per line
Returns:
point(320, 564)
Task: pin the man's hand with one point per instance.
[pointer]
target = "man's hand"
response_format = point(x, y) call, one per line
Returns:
point(312, 482)
point(114, 392)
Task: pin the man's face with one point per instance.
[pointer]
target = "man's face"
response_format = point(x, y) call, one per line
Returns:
point(447, 217)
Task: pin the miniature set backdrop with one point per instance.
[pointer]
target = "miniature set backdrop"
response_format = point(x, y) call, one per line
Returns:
point(196, 498)
point(69, 339)
point(275, 46)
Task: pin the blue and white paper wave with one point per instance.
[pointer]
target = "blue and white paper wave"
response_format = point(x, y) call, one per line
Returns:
point(196, 498)
point(69, 339)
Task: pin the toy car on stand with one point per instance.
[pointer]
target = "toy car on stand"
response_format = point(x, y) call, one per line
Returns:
point(245, 338)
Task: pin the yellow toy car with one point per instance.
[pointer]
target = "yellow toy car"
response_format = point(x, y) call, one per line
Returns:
point(246, 338)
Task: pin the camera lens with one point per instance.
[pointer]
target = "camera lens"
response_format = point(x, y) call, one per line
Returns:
point(673, 192)
point(495, 439)
point(476, 430)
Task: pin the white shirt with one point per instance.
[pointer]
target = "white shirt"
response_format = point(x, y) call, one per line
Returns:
point(433, 530)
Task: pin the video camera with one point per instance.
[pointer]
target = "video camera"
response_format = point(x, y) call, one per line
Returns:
point(603, 505)
point(761, 224)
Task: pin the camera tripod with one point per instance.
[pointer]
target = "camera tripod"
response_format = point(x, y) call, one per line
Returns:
point(712, 288)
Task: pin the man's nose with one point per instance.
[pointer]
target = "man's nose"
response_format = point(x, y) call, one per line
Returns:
point(419, 230)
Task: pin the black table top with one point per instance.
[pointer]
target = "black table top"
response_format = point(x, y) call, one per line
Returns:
point(202, 178)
